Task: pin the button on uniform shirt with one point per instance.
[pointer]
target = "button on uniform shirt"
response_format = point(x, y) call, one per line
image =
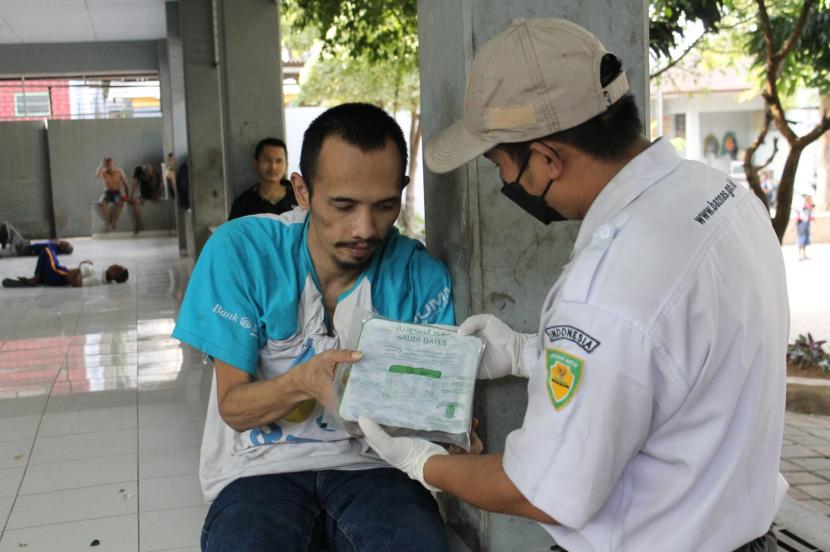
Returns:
point(656, 393)
point(250, 202)
point(254, 302)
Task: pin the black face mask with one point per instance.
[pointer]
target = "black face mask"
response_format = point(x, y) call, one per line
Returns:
point(533, 205)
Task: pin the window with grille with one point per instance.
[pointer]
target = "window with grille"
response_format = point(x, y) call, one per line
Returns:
point(32, 104)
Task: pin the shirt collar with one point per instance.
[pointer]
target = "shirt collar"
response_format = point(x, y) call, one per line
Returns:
point(637, 176)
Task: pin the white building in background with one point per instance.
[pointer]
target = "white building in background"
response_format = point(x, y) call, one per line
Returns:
point(297, 120)
point(91, 99)
point(700, 110)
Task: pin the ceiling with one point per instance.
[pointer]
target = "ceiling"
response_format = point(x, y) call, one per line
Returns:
point(38, 21)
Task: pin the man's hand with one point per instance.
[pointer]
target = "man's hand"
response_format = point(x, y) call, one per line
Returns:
point(316, 376)
point(408, 454)
point(476, 445)
point(503, 347)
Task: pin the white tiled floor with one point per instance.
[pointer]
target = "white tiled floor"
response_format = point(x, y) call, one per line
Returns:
point(101, 412)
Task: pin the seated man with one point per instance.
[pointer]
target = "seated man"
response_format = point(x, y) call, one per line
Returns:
point(13, 244)
point(49, 272)
point(114, 179)
point(273, 193)
point(146, 186)
point(169, 171)
point(268, 300)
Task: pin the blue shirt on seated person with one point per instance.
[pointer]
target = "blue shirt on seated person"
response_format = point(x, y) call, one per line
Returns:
point(269, 300)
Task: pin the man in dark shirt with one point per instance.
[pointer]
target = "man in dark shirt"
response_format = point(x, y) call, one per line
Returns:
point(273, 193)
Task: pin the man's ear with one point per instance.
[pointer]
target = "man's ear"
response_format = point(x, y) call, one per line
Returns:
point(301, 191)
point(553, 166)
point(406, 182)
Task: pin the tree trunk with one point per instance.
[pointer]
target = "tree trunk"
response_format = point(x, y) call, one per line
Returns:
point(784, 202)
point(823, 172)
point(750, 169)
point(414, 148)
point(754, 181)
point(774, 58)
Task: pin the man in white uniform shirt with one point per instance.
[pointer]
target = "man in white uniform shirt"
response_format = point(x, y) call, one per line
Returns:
point(657, 378)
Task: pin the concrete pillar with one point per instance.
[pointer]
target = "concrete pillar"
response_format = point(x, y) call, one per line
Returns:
point(694, 143)
point(252, 79)
point(822, 199)
point(166, 98)
point(175, 110)
point(204, 108)
point(658, 113)
point(502, 261)
point(175, 58)
point(232, 75)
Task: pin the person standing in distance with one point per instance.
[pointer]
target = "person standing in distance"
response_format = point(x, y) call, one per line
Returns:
point(657, 378)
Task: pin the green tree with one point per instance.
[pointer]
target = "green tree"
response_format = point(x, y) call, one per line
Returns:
point(337, 78)
point(668, 23)
point(790, 46)
point(370, 53)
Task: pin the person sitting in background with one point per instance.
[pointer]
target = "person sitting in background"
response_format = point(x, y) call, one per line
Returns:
point(114, 178)
point(13, 244)
point(146, 185)
point(170, 174)
point(49, 272)
point(273, 193)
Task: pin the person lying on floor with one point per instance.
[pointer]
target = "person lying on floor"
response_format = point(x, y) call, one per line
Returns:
point(49, 272)
point(13, 244)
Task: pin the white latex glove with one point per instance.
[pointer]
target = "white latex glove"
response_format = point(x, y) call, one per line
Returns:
point(408, 454)
point(503, 347)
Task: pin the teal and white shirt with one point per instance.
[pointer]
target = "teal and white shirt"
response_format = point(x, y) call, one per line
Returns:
point(254, 302)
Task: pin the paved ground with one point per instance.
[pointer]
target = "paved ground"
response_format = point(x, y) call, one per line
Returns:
point(809, 286)
point(805, 456)
point(805, 460)
point(161, 390)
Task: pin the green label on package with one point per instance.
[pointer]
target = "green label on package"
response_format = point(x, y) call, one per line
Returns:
point(426, 372)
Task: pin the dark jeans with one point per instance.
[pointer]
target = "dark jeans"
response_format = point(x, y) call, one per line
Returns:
point(362, 511)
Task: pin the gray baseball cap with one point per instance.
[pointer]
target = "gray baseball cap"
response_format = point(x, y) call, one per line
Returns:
point(535, 78)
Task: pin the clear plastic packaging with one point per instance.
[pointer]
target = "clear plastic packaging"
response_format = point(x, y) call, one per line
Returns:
point(413, 379)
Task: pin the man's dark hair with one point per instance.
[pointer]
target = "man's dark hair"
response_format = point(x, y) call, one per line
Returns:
point(269, 142)
point(607, 136)
point(362, 125)
point(119, 276)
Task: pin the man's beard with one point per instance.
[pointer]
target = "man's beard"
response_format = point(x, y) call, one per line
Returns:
point(355, 265)
point(347, 266)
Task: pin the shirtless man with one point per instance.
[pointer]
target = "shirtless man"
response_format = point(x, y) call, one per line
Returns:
point(114, 179)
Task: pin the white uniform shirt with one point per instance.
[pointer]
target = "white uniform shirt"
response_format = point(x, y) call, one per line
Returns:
point(657, 383)
point(91, 276)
